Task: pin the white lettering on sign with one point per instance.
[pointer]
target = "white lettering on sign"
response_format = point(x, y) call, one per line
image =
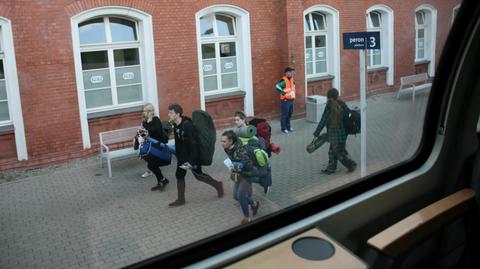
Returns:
point(96, 79)
point(207, 67)
point(357, 39)
point(228, 65)
point(128, 75)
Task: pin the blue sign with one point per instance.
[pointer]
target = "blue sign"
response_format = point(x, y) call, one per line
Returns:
point(361, 40)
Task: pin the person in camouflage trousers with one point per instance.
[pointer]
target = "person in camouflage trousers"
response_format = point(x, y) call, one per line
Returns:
point(332, 118)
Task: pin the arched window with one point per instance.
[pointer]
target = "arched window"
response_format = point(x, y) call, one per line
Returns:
point(111, 64)
point(425, 36)
point(11, 117)
point(114, 63)
point(380, 19)
point(218, 35)
point(316, 55)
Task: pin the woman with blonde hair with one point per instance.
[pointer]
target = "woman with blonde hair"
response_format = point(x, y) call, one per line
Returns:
point(155, 130)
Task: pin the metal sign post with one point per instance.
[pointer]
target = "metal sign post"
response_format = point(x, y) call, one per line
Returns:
point(362, 41)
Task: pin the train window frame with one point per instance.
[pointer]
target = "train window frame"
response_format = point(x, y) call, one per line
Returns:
point(437, 111)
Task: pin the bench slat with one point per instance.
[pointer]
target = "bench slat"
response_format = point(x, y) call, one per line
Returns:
point(116, 136)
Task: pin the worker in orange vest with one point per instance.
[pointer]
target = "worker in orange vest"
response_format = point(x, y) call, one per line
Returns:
point(286, 88)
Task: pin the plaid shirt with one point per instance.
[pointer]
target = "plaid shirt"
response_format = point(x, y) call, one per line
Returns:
point(336, 134)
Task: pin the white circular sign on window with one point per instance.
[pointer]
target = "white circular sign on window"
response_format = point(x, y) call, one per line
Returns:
point(207, 67)
point(320, 54)
point(96, 79)
point(128, 75)
point(307, 55)
point(228, 65)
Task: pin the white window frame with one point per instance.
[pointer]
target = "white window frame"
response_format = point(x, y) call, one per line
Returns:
point(386, 37)
point(372, 28)
point(332, 20)
point(216, 40)
point(313, 34)
point(146, 54)
point(430, 36)
point(243, 52)
point(454, 12)
point(419, 27)
point(13, 90)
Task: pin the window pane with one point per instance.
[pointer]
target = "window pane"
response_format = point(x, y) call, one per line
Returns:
point(94, 60)
point(3, 90)
point(92, 31)
point(320, 54)
point(421, 33)
point(2, 71)
point(318, 22)
point(209, 67)
point(229, 81)
point(4, 115)
point(229, 65)
point(307, 23)
point(208, 51)
point(98, 98)
point(96, 79)
point(320, 41)
point(377, 59)
point(308, 42)
point(227, 49)
point(122, 30)
point(421, 44)
point(321, 66)
point(126, 57)
point(308, 55)
point(419, 16)
point(225, 25)
point(128, 94)
point(309, 68)
point(128, 75)
point(375, 19)
point(206, 25)
point(420, 54)
point(210, 83)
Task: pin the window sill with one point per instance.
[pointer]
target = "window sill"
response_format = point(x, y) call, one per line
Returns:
point(112, 112)
point(219, 96)
point(325, 77)
point(7, 128)
point(422, 62)
point(377, 69)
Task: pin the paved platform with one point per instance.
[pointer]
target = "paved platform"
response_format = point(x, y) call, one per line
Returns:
point(77, 217)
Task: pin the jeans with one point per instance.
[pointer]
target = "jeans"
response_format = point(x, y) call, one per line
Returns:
point(242, 192)
point(287, 111)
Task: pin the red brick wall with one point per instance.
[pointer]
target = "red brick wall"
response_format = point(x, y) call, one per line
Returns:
point(46, 73)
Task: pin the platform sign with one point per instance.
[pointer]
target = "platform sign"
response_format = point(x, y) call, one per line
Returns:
point(361, 40)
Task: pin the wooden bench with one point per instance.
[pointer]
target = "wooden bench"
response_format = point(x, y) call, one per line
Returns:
point(405, 234)
point(414, 83)
point(113, 137)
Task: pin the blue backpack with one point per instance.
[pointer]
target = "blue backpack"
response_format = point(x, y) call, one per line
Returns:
point(163, 152)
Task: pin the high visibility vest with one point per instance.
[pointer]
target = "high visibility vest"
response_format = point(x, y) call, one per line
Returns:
point(289, 89)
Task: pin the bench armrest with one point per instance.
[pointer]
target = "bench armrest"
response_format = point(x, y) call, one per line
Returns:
point(104, 148)
point(413, 229)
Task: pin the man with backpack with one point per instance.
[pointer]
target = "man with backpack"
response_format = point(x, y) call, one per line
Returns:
point(188, 154)
point(333, 119)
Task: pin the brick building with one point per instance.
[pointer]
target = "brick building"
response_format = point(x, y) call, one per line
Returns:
point(70, 69)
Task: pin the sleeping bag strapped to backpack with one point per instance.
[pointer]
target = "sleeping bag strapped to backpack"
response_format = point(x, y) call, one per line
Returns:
point(264, 131)
point(205, 135)
point(152, 148)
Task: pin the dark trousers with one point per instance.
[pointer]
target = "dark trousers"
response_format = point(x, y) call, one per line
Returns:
point(154, 164)
point(287, 111)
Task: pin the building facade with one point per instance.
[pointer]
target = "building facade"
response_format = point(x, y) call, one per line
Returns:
point(71, 69)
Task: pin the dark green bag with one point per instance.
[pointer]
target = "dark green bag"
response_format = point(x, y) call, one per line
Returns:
point(205, 135)
point(317, 142)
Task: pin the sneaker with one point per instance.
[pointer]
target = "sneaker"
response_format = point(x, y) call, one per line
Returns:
point(266, 189)
point(352, 167)
point(157, 187)
point(328, 171)
point(245, 220)
point(146, 174)
point(255, 207)
point(284, 131)
point(290, 130)
point(176, 203)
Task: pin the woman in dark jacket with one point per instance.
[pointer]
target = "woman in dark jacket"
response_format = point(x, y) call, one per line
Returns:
point(332, 118)
point(155, 130)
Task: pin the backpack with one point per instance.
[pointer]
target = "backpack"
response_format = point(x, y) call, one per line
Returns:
point(257, 154)
point(205, 135)
point(264, 130)
point(351, 120)
point(163, 151)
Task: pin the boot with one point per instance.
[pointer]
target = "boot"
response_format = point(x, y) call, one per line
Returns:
point(332, 163)
point(205, 178)
point(181, 194)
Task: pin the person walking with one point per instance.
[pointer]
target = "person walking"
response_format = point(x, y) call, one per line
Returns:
point(332, 118)
point(286, 88)
point(153, 125)
point(242, 171)
point(187, 153)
